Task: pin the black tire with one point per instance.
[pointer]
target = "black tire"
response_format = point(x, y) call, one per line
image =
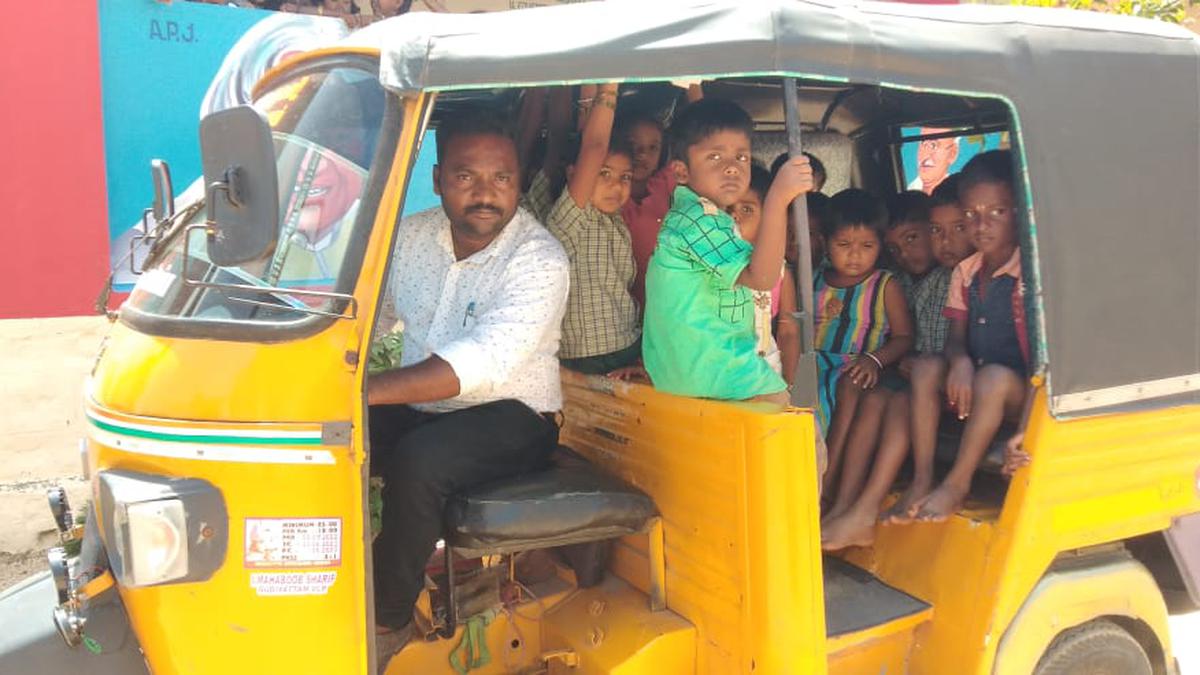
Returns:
point(1096, 648)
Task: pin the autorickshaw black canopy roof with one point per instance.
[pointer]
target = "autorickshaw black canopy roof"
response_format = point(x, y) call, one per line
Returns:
point(1106, 110)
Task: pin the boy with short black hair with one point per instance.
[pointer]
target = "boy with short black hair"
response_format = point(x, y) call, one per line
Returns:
point(947, 230)
point(699, 337)
point(925, 282)
point(983, 375)
point(600, 329)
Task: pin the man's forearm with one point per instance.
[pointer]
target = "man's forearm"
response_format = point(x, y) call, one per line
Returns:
point(430, 380)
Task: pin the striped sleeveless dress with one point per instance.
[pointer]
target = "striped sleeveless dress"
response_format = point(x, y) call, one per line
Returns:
point(848, 322)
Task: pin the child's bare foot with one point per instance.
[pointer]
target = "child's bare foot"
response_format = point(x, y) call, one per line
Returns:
point(941, 503)
point(852, 528)
point(905, 508)
point(835, 511)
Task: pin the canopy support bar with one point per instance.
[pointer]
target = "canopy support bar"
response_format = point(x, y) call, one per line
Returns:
point(804, 380)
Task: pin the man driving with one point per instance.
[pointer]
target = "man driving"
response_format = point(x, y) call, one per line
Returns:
point(480, 288)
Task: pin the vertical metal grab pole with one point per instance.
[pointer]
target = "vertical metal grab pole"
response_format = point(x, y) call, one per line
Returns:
point(804, 380)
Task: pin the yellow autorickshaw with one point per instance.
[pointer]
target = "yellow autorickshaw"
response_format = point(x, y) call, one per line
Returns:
point(230, 521)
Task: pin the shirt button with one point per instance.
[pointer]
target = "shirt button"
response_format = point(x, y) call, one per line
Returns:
point(979, 362)
point(982, 320)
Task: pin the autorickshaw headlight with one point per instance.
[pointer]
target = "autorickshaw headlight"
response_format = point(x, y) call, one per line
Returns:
point(161, 529)
point(155, 541)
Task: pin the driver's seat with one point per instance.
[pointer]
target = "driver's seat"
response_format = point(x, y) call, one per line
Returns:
point(567, 504)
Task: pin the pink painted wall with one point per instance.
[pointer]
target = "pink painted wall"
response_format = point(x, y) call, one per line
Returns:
point(54, 257)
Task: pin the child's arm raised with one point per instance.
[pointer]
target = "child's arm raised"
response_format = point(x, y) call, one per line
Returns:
point(593, 145)
point(961, 377)
point(865, 369)
point(794, 179)
point(787, 333)
point(587, 99)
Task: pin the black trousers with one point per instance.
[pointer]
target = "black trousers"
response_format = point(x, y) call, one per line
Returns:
point(424, 458)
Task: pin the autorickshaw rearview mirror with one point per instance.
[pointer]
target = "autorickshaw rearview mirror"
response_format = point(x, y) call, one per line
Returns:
point(242, 189)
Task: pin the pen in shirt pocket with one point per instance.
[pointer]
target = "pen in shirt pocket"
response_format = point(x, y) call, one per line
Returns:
point(470, 313)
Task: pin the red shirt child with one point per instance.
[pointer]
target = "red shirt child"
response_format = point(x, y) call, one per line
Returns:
point(644, 218)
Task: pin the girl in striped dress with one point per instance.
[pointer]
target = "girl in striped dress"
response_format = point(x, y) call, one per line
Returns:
point(862, 323)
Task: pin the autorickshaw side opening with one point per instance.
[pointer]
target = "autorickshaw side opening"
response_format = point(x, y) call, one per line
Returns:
point(866, 137)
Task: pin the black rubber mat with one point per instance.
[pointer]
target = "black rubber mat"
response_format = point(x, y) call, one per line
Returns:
point(855, 600)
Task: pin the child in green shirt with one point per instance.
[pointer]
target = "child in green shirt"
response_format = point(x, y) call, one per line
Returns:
point(698, 334)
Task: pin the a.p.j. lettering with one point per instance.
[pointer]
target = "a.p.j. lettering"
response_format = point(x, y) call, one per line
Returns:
point(172, 31)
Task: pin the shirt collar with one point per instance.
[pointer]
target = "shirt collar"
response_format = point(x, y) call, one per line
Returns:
point(683, 196)
point(974, 264)
point(1012, 268)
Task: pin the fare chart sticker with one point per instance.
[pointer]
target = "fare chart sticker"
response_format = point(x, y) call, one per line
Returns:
point(293, 542)
point(292, 583)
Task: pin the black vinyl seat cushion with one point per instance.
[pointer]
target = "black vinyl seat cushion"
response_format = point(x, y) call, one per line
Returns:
point(559, 506)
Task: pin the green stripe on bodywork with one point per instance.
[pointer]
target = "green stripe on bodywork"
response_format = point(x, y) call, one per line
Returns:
point(197, 438)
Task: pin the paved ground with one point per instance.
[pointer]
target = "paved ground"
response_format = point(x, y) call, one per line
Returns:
point(42, 366)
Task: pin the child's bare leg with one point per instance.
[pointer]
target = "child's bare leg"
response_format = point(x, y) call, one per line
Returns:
point(997, 393)
point(860, 445)
point(844, 409)
point(927, 380)
point(856, 527)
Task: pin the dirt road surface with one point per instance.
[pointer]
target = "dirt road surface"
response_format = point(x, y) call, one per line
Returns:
point(43, 363)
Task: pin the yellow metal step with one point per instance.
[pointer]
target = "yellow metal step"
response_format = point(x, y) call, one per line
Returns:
point(869, 625)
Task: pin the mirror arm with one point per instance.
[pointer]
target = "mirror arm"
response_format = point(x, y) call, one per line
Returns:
point(210, 196)
point(147, 238)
